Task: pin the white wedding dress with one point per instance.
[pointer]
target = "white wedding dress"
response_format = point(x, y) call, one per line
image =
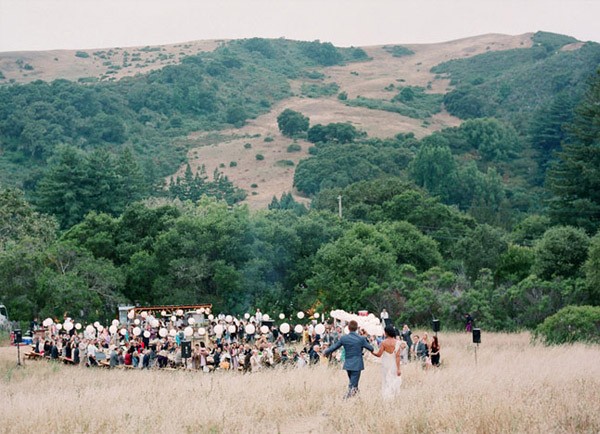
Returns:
point(390, 381)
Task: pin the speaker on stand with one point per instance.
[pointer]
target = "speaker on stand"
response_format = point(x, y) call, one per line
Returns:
point(18, 338)
point(436, 326)
point(476, 341)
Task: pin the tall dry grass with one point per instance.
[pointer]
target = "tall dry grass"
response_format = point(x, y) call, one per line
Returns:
point(515, 387)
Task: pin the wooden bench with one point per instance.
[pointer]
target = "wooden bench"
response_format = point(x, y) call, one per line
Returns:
point(32, 355)
point(67, 360)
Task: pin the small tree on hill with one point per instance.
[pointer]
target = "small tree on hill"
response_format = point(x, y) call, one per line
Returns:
point(292, 123)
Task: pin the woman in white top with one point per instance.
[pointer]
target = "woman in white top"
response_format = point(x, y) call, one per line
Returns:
point(389, 351)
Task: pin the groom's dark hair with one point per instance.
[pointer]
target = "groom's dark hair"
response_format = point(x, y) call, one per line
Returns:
point(352, 326)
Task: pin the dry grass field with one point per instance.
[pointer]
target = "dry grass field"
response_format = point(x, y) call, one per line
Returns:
point(516, 387)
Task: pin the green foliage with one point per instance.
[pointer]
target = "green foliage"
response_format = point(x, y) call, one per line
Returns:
point(284, 163)
point(20, 223)
point(78, 182)
point(494, 140)
point(398, 50)
point(233, 164)
point(193, 186)
point(411, 101)
point(341, 165)
point(592, 270)
point(312, 90)
point(324, 53)
point(530, 229)
point(552, 41)
point(512, 84)
point(82, 54)
point(355, 267)
point(287, 202)
point(343, 96)
point(574, 179)
point(259, 157)
point(294, 147)
point(561, 252)
point(249, 145)
point(291, 123)
point(481, 248)
point(333, 133)
point(571, 324)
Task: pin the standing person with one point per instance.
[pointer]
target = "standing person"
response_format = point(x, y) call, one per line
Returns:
point(422, 350)
point(435, 352)
point(407, 335)
point(468, 323)
point(389, 351)
point(353, 364)
point(384, 315)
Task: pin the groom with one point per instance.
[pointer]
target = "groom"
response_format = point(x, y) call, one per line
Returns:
point(353, 363)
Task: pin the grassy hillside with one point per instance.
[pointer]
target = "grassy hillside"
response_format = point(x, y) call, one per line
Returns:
point(206, 91)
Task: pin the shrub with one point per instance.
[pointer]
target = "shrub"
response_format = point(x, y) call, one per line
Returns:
point(233, 164)
point(247, 145)
point(82, 54)
point(571, 324)
point(253, 185)
point(343, 96)
point(269, 139)
point(285, 163)
point(312, 90)
point(260, 157)
point(294, 147)
point(398, 50)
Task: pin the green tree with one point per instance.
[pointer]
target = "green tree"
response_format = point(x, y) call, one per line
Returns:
point(481, 248)
point(291, 123)
point(575, 179)
point(592, 270)
point(63, 191)
point(571, 324)
point(410, 245)
point(561, 252)
point(434, 169)
point(348, 271)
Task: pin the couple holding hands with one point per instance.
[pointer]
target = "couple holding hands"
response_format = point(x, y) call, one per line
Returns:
point(389, 351)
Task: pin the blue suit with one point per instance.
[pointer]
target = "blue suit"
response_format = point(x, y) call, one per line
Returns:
point(353, 345)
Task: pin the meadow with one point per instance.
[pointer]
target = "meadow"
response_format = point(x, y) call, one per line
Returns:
point(515, 386)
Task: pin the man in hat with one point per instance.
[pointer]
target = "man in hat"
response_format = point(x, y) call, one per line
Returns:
point(353, 345)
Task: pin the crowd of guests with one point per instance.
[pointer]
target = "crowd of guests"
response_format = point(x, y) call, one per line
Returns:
point(219, 343)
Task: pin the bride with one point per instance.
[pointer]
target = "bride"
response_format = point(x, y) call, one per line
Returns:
point(389, 351)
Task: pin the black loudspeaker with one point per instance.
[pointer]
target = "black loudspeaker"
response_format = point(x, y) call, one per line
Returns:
point(268, 323)
point(388, 322)
point(18, 337)
point(436, 325)
point(186, 349)
point(476, 336)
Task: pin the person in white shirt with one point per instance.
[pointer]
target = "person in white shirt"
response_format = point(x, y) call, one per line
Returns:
point(384, 315)
point(91, 353)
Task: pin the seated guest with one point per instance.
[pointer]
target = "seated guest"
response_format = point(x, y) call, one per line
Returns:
point(114, 358)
